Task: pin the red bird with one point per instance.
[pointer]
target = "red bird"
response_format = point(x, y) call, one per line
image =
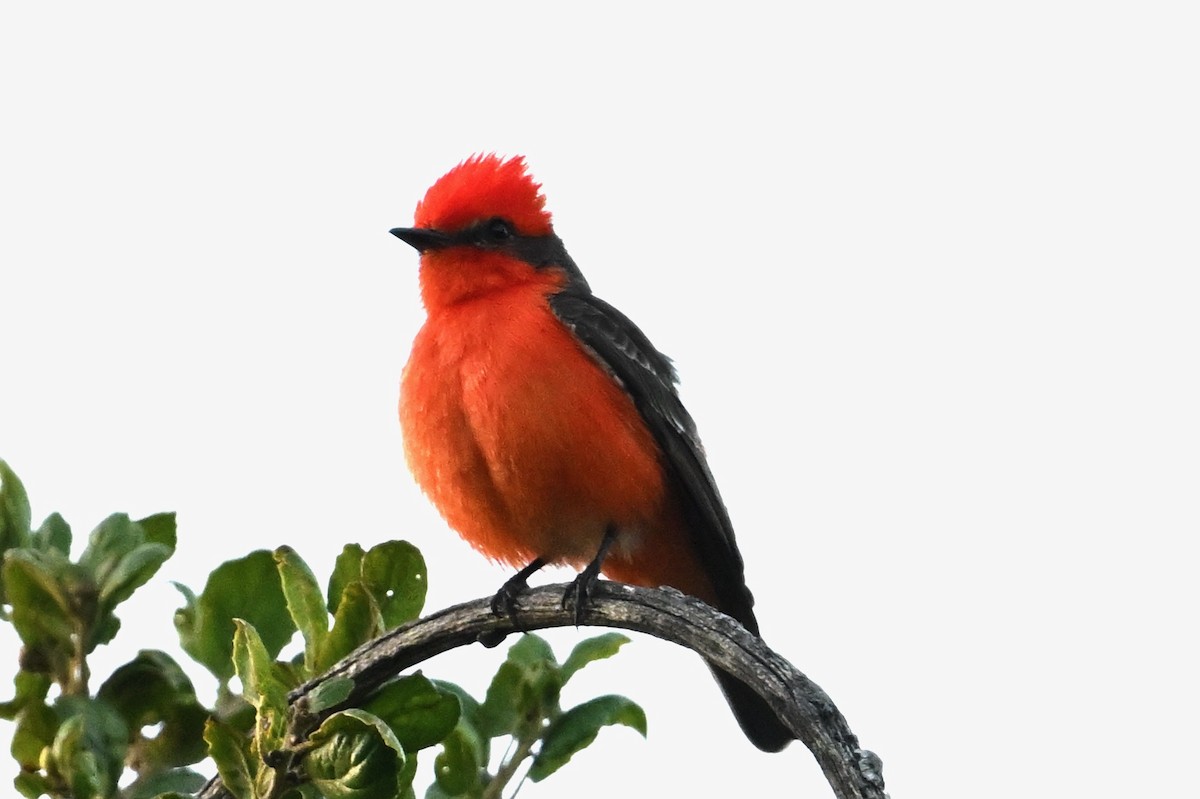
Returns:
point(545, 426)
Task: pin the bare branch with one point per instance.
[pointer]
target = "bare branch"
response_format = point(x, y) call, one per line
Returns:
point(852, 772)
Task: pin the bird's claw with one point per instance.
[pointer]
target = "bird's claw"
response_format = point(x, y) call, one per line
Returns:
point(506, 602)
point(578, 596)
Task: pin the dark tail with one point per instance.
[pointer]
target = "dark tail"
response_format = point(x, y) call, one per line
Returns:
point(754, 714)
point(757, 719)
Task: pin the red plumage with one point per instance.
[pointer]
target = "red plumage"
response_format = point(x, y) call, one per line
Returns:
point(481, 187)
point(540, 421)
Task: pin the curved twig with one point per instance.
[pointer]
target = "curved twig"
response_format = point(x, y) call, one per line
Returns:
point(852, 772)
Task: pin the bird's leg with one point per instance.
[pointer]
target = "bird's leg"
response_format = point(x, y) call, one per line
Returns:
point(505, 600)
point(579, 591)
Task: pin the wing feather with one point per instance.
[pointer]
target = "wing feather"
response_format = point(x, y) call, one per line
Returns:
point(650, 379)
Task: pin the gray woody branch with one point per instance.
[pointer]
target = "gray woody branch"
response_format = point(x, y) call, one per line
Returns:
point(852, 772)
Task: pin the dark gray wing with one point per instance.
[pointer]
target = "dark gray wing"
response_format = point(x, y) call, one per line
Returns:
point(648, 376)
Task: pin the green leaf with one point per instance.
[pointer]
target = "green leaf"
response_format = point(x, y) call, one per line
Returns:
point(395, 574)
point(419, 713)
point(179, 783)
point(355, 755)
point(578, 727)
point(468, 703)
point(407, 774)
point(142, 689)
point(180, 741)
point(501, 707)
point(329, 693)
point(305, 604)
point(32, 785)
point(88, 750)
point(14, 511)
point(231, 708)
point(227, 749)
point(525, 689)
point(531, 650)
point(108, 544)
point(246, 588)
point(356, 621)
point(260, 685)
point(592, 649)
point(543, 676)
point(458, 767)
point(31, 688)
point(54, 534)
point(130, 573)
point(104, 630)
point(37, 724)
point(346, 569)
point(120, 558)
point(153, 689)
point(160, 528)
point(41, 611)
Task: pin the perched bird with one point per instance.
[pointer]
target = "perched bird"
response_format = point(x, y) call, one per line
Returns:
point(545, 426)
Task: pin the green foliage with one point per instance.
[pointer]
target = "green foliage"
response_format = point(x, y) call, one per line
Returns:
point(14, 515)
point(234, 765)
point(86, 753)
point(145, 717)
point(523, 703)
point(78, 744)
point(394, 573)
point(152, 690)
point(419, 712)
point(355, 755)
point(246, 588)
point(261, 687)
point(578, 727)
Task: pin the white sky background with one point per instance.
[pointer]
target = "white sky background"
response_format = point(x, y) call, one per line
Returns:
point(929, 275)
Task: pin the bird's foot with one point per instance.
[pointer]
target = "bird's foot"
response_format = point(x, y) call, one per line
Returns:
point(506, 602)
point(578, 596)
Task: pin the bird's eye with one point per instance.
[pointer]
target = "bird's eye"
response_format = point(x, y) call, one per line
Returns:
point(498, 231)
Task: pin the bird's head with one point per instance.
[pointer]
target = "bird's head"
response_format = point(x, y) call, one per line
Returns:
point(483, 227)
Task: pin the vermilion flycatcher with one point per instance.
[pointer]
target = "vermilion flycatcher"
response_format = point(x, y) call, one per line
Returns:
point(543, 423)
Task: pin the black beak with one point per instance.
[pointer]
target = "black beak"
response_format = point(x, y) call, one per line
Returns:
point(422, 239)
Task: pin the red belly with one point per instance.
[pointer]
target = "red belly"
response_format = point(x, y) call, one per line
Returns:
point(526, 446)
